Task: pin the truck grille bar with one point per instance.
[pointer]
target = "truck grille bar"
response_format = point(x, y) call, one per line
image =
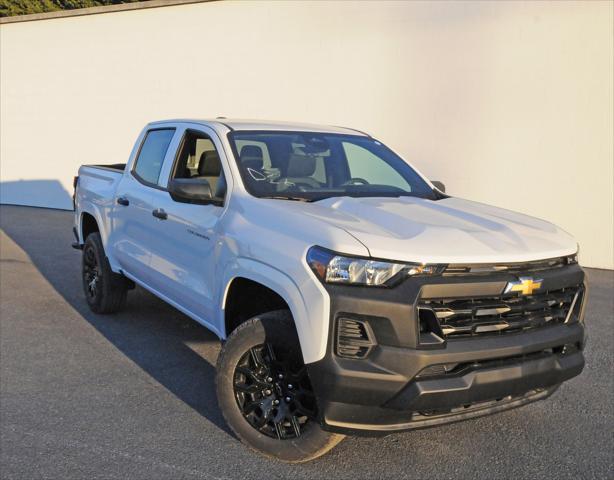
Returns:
point(513, 268)
point(499, 315)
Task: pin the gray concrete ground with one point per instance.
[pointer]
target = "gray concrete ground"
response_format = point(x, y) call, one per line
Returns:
point(132, 395)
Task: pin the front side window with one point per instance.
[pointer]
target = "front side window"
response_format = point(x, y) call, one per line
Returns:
point(151, 156)
point(314, 166)
point(199, 160)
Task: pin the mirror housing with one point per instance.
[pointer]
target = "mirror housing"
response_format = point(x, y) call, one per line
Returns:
point(439, 186)
point(190, 190)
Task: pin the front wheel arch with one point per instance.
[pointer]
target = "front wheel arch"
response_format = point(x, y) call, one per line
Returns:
point(246, 298)
point(309, 303)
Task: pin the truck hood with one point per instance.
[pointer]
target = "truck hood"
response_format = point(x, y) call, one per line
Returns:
point(451, 230)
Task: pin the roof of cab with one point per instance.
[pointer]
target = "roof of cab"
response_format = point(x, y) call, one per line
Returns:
point(237, 124)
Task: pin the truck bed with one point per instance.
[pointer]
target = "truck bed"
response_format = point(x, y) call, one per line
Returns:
point(97, 185)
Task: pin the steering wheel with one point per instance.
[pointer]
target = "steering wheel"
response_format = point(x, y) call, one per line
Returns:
point(355, 181)
point(300, 186)
point(303, 187)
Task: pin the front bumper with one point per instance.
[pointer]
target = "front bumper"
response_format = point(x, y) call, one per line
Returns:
point(388, 390)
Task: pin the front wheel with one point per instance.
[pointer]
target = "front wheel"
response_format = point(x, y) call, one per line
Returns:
point(265, 394)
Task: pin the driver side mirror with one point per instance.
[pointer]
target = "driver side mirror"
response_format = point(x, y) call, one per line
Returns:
point(190, 190)
point(439, 186)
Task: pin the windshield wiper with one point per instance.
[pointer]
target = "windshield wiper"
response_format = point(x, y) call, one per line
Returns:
point(284, 197)
point(364, 195)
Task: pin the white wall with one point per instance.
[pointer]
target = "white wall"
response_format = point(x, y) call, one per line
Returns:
point(507, 103)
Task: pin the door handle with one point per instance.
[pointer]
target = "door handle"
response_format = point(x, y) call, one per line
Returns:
point(160, 213)
point(123, 201)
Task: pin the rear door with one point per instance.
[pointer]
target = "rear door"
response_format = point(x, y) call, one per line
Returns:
point(133, 224)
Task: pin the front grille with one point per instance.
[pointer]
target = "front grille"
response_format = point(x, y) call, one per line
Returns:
point(454, 318)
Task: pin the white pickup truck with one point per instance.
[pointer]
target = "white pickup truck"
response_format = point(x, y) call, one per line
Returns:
point(350, 293)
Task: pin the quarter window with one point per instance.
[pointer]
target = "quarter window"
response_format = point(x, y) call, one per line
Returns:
point(151, 157)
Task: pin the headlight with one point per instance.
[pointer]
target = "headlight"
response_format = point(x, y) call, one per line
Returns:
point(571, 259)
point(333, 268)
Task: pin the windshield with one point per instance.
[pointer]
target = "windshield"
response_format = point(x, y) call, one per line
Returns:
point(313, 166)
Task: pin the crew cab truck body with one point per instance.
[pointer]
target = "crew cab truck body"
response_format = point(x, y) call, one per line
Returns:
point(352, 295)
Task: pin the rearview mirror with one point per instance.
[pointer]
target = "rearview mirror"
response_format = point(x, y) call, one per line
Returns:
point(190, 190)
point(439, 186)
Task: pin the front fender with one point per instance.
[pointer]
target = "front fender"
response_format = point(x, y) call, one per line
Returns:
point(308, 301)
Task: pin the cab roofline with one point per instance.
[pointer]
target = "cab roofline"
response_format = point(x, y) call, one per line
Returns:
point(240, 124)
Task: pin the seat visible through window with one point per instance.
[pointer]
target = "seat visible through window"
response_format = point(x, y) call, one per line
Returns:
point(210, 168)
point(198, 159)
point(300, 170)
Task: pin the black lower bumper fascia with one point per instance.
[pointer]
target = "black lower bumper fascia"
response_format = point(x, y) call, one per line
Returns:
point(416, 420)
point(399, 401)
point(487, 384)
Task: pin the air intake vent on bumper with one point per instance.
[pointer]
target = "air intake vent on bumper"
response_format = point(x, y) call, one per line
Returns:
point(354, 339)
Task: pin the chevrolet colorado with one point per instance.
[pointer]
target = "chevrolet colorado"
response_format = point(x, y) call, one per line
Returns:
point(350, 293)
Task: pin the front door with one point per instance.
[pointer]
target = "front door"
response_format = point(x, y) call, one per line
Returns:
point(187, 234)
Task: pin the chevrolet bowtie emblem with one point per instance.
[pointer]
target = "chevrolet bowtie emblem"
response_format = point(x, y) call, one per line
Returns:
point(524, 285)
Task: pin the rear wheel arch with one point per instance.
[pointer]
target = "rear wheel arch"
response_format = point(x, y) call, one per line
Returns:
point(90, 221)
point(89, 225)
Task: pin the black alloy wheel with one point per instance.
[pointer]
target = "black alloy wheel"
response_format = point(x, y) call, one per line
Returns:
point(274, 395)
point(91, 272)
point(265, 393)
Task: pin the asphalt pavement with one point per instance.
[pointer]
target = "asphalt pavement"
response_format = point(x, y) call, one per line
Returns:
point(86, 396)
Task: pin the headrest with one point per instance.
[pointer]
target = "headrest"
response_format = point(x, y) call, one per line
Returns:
point(251, 157)
point(209, 165)
point(301, 166)
point(252, 151)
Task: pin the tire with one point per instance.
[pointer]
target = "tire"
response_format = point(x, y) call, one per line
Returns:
point(248, 384)
point(105, 291)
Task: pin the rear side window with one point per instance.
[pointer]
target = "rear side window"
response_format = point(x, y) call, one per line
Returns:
point(151, 155)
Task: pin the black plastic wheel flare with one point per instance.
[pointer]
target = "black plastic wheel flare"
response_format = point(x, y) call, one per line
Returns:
point(274, 393)
point(91, 272)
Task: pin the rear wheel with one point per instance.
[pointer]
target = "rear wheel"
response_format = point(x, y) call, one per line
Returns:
point(265, 394)
point(105, 290)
